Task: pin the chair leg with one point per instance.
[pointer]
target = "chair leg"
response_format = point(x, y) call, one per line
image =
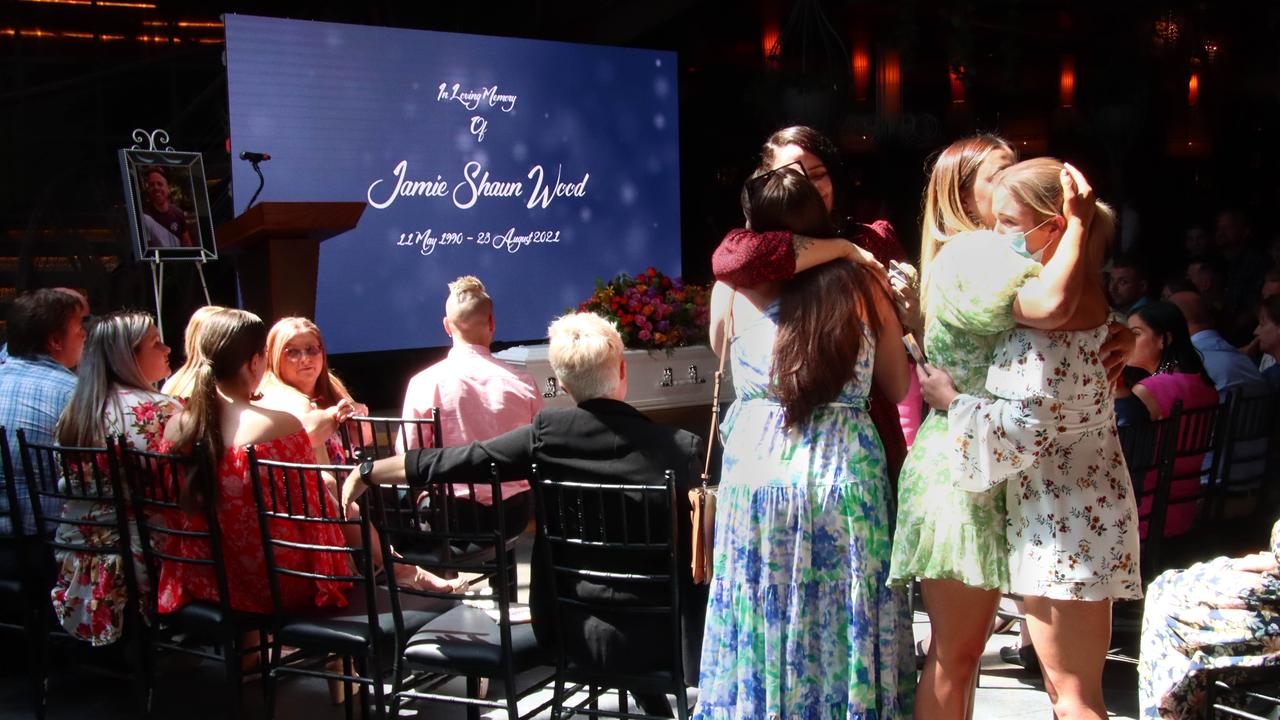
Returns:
point(37, 662)
point(349, 702)
point(140, 655)
point(269, 678)
point(362, 669)
point(473, 691)
point(231, 666)
point(682, 701)
point(622, 700)
point(557, 696)
point(513, 580)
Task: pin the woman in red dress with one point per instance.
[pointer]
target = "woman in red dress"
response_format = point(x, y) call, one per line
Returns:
point(220, 415)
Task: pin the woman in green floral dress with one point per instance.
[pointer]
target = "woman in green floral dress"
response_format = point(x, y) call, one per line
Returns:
point(951, 539)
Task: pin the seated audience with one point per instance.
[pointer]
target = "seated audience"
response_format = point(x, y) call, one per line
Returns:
point(1207, 278)
point(1127, 285)
point(220, 416)
point(1176, 285)
point(1270, 289)
point(1271, 283)
point(115, 395)
point(603, 439)
point(479, 398)
point(1268, 334)
point(1163, 347)
point(299, 382)
point(1226, 365)
point(1212, 617)
point(1242, 273)
point(46, 338)
point(1129, 409)
point(179, 384)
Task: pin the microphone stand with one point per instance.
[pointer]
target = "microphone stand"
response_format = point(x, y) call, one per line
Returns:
point(261, 181)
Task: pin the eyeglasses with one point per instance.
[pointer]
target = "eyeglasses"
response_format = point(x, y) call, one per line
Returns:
point(758, 181)
point(296, 354)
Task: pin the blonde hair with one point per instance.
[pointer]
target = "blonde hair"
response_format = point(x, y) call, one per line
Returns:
point(951, 181)
point(585, 353)
point(1036, 185)
point(110, 360)
point(329, 389)
point(180, 383)
point(468, 307)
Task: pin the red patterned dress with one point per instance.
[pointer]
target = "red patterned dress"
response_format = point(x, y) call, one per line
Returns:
point(181, 583)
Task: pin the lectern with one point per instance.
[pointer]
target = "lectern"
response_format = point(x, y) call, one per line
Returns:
point(276, 246)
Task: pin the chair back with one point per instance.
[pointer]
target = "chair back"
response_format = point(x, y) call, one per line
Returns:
point(616, 534)
point(447, 537)
point(293, 505)
point(374, 438)
point(1247, 454)
point(11, 510)
point(158, 484)
point(76, 477)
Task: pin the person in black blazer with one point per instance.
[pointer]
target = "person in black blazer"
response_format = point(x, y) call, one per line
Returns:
point(603, 439)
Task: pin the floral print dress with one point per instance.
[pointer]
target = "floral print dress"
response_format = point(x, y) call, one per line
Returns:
point(90, 593)
point(800, 621)
point(943, 531)
point(1050, 436)
point(1210, 618)
point(181, 583)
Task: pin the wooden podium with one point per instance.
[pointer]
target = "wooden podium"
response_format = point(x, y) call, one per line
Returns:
point(276, 246)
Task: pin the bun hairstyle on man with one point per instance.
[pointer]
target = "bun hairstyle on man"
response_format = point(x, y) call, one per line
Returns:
point(469, 308)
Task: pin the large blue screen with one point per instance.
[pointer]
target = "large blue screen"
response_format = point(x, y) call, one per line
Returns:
point(536, 166)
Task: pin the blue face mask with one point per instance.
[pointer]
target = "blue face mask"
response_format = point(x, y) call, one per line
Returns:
point(1019, 242)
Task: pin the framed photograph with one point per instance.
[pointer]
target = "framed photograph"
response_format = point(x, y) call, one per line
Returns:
point(168, 205)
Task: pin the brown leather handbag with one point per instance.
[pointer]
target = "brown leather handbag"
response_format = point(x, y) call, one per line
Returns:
point(703, 498)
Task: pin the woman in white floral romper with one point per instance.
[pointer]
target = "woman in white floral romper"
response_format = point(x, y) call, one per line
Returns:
point(1050, 434)
point(123, 360)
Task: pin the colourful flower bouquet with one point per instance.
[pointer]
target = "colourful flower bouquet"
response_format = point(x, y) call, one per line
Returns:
point(652, 311)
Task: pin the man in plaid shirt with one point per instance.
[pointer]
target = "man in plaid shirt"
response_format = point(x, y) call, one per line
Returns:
point(46, 338)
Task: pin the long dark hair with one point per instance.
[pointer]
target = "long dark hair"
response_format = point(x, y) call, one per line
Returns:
point(228, 340)
point(1166, 320)
point(822, 311)
point(821, 147)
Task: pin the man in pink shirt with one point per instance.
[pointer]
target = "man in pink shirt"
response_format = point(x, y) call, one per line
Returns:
point(479, 397)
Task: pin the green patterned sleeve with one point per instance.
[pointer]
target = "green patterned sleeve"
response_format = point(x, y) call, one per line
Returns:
point(973, 281)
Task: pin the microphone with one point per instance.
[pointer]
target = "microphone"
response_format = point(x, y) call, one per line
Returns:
point(254, 157)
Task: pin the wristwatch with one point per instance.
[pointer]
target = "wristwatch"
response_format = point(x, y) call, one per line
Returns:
point(366, 470)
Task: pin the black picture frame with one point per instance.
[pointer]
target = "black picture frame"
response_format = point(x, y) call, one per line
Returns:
point(183, 229)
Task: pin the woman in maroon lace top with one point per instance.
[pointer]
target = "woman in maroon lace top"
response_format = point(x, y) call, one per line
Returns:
point(747, 259)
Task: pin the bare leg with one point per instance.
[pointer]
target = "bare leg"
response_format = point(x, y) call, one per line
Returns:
point(960, 621)
point(1071, 637)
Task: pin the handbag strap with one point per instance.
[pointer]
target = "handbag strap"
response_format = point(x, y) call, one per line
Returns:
point(715, 392)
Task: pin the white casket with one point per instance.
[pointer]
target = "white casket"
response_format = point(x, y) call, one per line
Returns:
point(656, 379)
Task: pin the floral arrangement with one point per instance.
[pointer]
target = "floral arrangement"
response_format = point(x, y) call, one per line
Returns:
point(651, 310)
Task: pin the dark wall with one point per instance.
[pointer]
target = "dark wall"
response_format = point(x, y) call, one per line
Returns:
point(70, 102)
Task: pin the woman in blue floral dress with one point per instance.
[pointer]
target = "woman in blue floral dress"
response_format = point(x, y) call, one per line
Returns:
point(1214, 617)
point(801, 622)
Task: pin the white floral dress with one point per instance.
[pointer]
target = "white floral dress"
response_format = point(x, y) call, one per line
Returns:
point(90, 593)
point(1050, 434)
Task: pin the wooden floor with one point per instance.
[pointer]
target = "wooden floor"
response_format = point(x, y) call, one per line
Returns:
point(191, 689)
